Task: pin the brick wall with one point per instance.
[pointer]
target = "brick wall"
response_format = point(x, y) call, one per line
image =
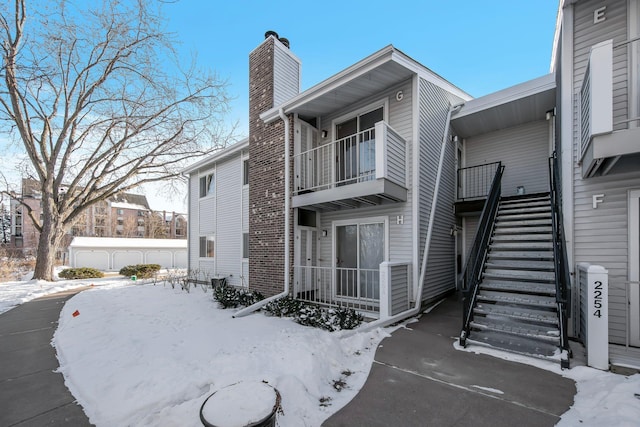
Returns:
point(266, 179)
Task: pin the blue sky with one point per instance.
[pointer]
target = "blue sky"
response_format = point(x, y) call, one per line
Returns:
point(480, 46)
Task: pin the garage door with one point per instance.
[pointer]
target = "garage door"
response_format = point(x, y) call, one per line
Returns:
point(94, 259)
point(160, 257)
point(122, 258)
point(181, 259)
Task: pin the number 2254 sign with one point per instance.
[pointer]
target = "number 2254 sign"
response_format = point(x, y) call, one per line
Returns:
point(597, 299)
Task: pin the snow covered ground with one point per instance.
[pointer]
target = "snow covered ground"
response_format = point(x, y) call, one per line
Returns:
point(138, 354)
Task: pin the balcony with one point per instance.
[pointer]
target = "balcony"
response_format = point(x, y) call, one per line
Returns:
point(378, 293)
point(474, 183)
point(367, 168)
point(609, 114)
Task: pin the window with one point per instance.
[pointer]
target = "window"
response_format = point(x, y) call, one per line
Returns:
point(306, 218)
point(120, 211)
point(356, 146)
point(207, 245)
point(207, 185)
point(245, 245)
point(245, 172)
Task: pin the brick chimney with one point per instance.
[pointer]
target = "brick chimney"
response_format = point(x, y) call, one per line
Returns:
point(274, 77)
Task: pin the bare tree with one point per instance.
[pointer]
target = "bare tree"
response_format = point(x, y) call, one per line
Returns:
point(156, 226)
point(94, 94)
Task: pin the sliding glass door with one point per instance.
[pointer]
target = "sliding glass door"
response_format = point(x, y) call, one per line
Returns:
point(360, 247)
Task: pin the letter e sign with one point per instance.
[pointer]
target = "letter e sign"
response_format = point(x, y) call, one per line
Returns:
point(598, 15)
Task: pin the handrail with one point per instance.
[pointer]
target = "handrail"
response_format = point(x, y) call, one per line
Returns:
point(475, 181)
point(561, 263)
point(472, 274)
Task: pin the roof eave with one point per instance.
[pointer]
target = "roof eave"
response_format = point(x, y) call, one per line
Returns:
point(218, 156)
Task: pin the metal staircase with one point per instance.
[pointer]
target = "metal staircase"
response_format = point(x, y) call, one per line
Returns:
point(515, 306)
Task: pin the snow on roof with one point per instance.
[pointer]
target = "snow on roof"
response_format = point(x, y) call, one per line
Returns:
point(124, 242)
point(124, 205)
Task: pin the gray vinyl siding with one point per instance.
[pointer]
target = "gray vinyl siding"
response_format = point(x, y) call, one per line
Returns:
point(399, 111)
point(229, 222)
point(440, 272)
point(400, 235)
point(470, 229)
point(223, 215)
point(587, 34)
point(286, 78)
point(399, 294)
point(523, 150)
point(194, 221)
point(601, 235)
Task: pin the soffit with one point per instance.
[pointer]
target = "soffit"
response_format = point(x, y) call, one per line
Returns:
point(523, 103)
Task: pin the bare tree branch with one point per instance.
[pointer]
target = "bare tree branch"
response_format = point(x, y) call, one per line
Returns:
point(100, 105)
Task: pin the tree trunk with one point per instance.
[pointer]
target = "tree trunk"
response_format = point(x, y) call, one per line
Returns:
point(50, 239)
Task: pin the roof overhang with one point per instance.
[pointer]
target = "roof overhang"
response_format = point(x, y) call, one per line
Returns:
point(372, 75)
point(523, 103)
point(217, 156)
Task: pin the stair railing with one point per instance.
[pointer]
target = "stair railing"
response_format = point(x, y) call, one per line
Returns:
point(472, 273)
point(561, 263)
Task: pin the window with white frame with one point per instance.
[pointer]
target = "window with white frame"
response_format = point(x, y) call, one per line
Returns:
point(355, 146)
point(207, 246)
point(207, 185)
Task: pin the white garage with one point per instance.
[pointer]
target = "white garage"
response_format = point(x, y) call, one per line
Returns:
point(111, 254)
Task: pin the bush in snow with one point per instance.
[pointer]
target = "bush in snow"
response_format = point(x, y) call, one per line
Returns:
point(332, 319)
point(230, 297)
point(141, 271)
point(284, 307)
point(80, 273)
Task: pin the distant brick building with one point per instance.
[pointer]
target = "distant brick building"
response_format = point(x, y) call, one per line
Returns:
point(124, 215)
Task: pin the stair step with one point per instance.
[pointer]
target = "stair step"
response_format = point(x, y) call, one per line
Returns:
point(523, 217)
point(528, 197)
point(511, 298)
point(522, 314)
point(536, 332)
point(502, 222)
point(522, 237)
point(525, 204)
point(545, 289)
point(523, 246)
point(524, 210)
point(514, 344)
point(507, 229)
point(524, 255)
point(525, 275)
point(525, 264)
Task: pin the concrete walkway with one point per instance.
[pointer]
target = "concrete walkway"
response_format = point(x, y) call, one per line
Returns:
point(31, 393)
point(419, 379)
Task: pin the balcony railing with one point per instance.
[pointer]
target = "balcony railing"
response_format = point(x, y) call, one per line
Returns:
point(609, 103)
point(596, 94)
point(475, 182)
point(356, 288)
point(378, 152)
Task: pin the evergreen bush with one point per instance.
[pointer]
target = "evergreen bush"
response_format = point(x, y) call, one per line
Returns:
point(230, 297)
point(80, 273)
point(141, 271)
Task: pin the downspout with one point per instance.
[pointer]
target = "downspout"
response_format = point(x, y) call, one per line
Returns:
point(287, 220)
point(380, 323)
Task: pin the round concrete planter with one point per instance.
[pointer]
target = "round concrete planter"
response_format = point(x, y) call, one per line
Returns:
point(244, 404)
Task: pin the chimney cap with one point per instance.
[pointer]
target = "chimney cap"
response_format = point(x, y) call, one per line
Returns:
point(284, 41)
point(270, 33)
